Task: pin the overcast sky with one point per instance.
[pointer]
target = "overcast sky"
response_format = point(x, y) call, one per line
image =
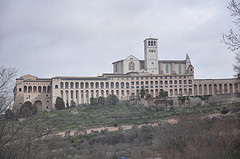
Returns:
point(50, 38)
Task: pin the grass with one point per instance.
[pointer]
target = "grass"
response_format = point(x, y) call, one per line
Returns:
point(122, 113)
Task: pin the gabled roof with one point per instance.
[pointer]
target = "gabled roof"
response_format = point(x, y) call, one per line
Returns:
point(131, 56)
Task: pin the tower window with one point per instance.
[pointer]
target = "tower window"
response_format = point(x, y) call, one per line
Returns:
point(154, 43)
point(151, 43)
point(148, 43)
point(152, 63)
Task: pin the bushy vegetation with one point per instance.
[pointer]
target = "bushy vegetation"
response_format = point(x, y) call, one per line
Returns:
point(27, 109)
point(59, 103)
point(192, 137)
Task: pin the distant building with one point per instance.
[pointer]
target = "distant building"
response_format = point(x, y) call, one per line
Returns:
point(129, 76)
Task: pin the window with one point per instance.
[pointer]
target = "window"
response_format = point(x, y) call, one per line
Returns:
point(20, 89)
point(56, 86)
point(131, 66)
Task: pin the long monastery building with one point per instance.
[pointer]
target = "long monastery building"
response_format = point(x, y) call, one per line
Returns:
point(129, 76)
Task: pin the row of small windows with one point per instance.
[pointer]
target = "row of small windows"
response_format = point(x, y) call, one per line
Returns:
point(152, 50)
point(151, 43)
point(35, 89)
point(165, 77)
point(161, 82)
point(93, 85)
point(216, 88)
point(117, 84)
point(92, 93)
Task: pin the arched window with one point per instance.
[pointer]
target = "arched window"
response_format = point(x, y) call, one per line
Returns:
point(131, 66)
point(61, 85)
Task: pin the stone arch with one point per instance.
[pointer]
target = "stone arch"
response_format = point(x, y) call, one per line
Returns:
point(44, 89)
point(96, 85)
point(200, 89)
point(230, 88)
point(180, 92)
point(205, 89)
point(122, 92)
point(34, 89)
point(220, 89)
point(102, 84)
point(71, 94)
point(61, 85)
point(71, 85)
point(225, 89)
point(86, 85)
point(82, 85)
point(195, 90)
point(39, 89)
point(112, 85)
point(66, 85)
point(38, 103)
point(122, 84)
point(175, 92)
point(61, 94)
point(67, 97)
point(171, 92)
point(210, 89)
point(190, 91)
point(29, 89)
point(127, 85)
point(107, 85)
point(76, 85)
point(77, 97)
point(25, 89)
point(97, 93)
point(92, 93)
point(215, 89)
point(48, 89)
point(185, 91)
point(92, 85)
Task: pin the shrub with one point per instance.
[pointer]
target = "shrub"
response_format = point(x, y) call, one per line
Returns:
point(102, 100)
point(59, 103)
point(225, 110)
point(27, 109)
point(93, 101)
point(112, 99)
point(72, 104)
point(9, 114)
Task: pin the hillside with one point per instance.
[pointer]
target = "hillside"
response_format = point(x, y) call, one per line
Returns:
point(200, 132)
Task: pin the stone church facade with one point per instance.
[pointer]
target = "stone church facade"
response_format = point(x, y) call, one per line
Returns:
point(129, 76)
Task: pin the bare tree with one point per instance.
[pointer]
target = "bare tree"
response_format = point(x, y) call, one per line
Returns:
point(6, 87)
point(232, 39)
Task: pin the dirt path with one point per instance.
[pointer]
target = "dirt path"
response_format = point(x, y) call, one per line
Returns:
point(122, 127)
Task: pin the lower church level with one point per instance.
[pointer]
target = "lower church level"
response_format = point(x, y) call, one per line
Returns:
point(43, 92)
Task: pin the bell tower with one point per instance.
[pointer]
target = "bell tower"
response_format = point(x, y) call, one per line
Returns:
point(151, 55)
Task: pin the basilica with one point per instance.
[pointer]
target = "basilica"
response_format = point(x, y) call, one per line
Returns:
point(129, 76)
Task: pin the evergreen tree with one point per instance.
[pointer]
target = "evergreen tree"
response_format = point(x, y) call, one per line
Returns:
point(59, 103)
